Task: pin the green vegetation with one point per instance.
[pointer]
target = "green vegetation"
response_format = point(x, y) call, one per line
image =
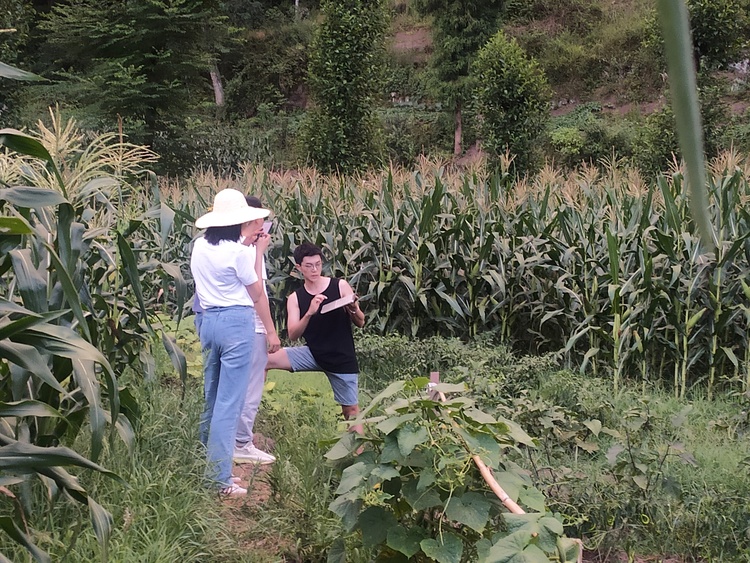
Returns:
point(208, 83)
point(341, 132)
point(512, 96)
point(627, 427)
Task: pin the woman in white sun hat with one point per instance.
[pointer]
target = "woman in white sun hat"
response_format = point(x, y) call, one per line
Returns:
point(231, 293)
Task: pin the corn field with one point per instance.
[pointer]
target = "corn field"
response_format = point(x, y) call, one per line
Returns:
point(599, 265)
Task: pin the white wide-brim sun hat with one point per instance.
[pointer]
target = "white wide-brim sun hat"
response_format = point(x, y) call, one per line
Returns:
point(230, 208)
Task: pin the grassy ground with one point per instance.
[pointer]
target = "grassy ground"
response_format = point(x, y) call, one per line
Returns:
point(694, 454)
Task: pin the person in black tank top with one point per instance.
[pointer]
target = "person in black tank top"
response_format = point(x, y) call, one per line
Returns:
point(329, 344)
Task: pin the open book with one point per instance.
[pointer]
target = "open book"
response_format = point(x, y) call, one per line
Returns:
point(337, 303)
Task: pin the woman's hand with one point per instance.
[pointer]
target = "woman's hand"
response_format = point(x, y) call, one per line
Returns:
point(273, 342)
point(262, 241)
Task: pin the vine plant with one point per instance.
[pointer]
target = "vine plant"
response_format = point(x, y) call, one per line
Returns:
point(411, 489)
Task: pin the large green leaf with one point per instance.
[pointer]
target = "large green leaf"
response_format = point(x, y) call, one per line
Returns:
point(21, 143)
point(31, 197)
point(7, 71)
point(446, 549)
point(179, 361)
point(411, 436)
point(130, 268)
point(19, 456)
point(11, 528)
point(32, 281)
point(29, 358)
point(545, 529)
point(70, 291)
point(28, 408)
point(406, 540)
point(102, 522)
point(14, 226)
point(684, 91)
point(375, 522)
point(85, 373)
point(471, 509)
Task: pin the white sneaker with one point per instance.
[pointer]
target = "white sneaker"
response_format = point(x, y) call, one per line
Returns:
point(250, 454)
point(233, 490)
point(235, 480)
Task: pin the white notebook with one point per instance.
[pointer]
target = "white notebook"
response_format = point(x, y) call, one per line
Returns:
point(337, 303)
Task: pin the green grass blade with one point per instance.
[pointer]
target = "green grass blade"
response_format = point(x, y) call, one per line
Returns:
point(683, 87)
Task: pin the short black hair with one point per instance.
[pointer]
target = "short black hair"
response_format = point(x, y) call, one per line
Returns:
point(214, 235)
point(306, 249)
point(253, 201)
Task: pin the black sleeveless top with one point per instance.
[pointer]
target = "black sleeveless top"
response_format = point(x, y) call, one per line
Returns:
point(329, 336)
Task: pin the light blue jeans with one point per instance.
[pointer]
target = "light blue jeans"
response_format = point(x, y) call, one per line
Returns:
point(227, 353)
point(254, 390)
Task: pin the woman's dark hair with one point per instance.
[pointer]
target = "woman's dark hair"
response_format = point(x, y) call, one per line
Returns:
point(253, 201)
point(214, 235)
point(306, 249)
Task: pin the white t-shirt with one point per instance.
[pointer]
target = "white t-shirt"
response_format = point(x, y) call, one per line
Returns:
point(222, 271)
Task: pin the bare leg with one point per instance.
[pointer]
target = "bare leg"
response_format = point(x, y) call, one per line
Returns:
point(351, 412)
point(279, 360)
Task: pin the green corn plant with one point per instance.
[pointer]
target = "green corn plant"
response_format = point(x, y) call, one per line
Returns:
point(68, 322)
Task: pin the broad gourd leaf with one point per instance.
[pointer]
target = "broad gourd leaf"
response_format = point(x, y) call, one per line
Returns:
point(420, 499)
point(533, 498)
point(471, 509)
point(353, 476)
point(518, 433)
point(393, 422)
point(568, 550)
point(375, 522)
point(544, 529)
point(404, 540)
point(411, 436)
point(347, 507)
point(348, 443)
point(446, 549)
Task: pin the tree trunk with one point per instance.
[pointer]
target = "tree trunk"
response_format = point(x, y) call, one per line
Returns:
point(458, 134)
point(218, 86)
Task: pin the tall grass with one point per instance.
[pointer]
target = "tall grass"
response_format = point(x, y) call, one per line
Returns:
point(162, 513)
point(601, 264)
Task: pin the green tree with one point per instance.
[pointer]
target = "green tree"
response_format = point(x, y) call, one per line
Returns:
point(719, 31)
point(148, 62)
point(341, 131)
point(459, 30)
point(512, 99)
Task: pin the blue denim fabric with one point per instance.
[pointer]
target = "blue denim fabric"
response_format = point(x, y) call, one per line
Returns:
point(254, 391)
point(227, 352)
point(198, 320)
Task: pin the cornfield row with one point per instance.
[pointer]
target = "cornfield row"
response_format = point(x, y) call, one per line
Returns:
point(599, 265)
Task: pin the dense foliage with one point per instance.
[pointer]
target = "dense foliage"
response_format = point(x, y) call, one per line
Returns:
point(460, 29)
point(341, 132)
point(603, 267)
point(73, 317)
point(512, 100)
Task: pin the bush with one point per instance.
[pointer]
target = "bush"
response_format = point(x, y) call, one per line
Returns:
point(341, 132)
point(512, 99)
point(585, 135)
point(411, 132)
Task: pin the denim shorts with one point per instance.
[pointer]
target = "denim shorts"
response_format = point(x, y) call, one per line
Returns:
point(344, 385)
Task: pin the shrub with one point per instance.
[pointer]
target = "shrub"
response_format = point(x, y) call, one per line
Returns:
point(341, 131)
point(512, 98)
point(585, 135)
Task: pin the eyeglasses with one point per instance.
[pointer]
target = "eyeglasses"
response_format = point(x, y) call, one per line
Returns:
point(312, 265)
